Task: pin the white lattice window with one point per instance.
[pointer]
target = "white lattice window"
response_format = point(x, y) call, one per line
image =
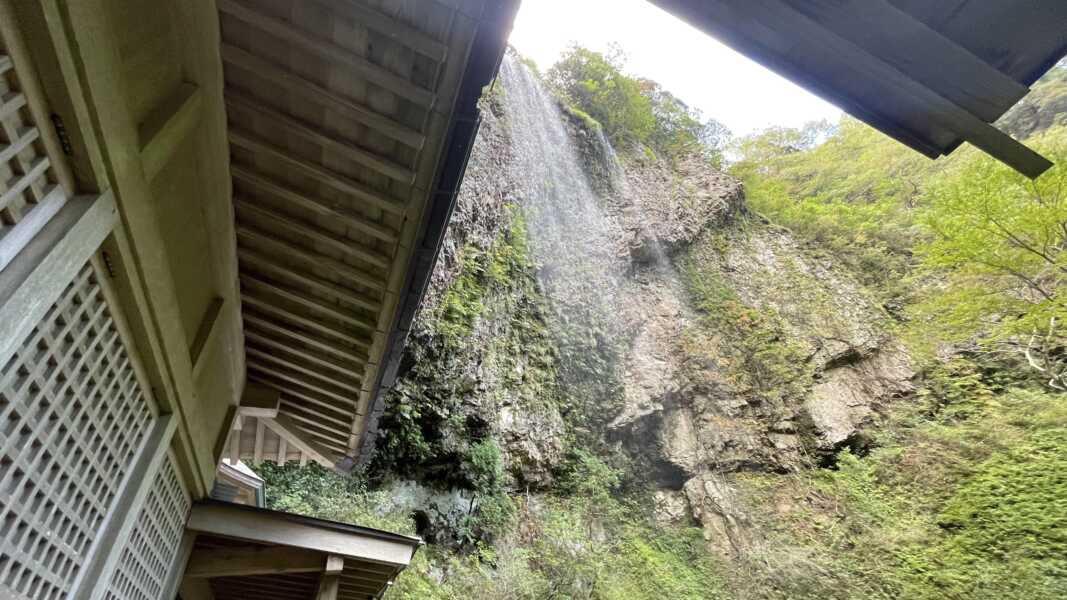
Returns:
point(152, 548)
point(30, 194)
point(72, 419)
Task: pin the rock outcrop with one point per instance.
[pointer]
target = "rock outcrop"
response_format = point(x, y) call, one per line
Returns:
point(712, 342)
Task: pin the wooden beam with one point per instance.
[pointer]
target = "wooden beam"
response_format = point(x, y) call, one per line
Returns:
point(5, 63)
point(285, 427)
point(13, 238)
point(282, 362)
point(251, 284)
point(392, 28)
point(923, 54)
point(310, 258)
point(298, 388)
point(332, 209)
point(167, 126)
point(322, 175)
point(10, 102)
point(343, 148)
point(19, 182)
point(305, 355)
point(259, 401)
point(305, 339)
point(257, 448)
point(266, 266)
point(328, 587)
point(40, 272)
point(205, 333)
point(321, 96)
point(317, 235)
point(850, 76)
point(273, 310)
point(349, 61)
point(244, 561)
point(334, 564)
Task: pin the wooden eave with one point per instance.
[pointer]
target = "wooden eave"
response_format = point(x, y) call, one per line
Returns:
point(243, 551)
point(929, 74)
point(339, 114)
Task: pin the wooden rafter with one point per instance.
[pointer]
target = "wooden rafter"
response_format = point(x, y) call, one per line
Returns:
point(343, 148)
point(313, 92)
point(329, 51)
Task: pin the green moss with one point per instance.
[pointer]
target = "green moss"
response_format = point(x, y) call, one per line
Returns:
point(751, 344)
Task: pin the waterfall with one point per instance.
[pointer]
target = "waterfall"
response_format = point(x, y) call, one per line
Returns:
point(576, 245)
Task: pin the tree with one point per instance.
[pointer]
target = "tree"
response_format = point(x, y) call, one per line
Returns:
point(1002, 242)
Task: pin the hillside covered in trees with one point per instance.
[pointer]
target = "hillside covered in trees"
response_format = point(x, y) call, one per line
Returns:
point(659, 361)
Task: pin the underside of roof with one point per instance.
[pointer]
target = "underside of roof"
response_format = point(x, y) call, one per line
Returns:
point(929, 74)
point(344, 117)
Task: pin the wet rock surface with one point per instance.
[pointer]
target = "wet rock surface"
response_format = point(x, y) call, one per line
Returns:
point(603, 332)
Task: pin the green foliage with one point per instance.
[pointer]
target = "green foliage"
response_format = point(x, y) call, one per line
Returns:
point(315, 491)
point(853, 195)
point(962, 498)
point(583, 544)
point(1000, 243)
point(757, 350)
point(633, 111)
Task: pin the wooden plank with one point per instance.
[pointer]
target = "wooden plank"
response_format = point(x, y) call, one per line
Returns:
point(10, 102)
point(344, 58)
point(919, 52)
point(310, 258)
point(259, 401)
point(261, 264)
point(18, 184)
point(310, 357)
point(317, 235)
point(279, 361)
point(272, 309)
point(26, 136)
point(117, 526)
point(316, 94)
point(285, 427)
point(304, 389)
point(848, 75)
point(246, 561)
point(205, 333)
point(337, 181)
point(391, 28)
point(40, 272)
point(266, 527)
point(327, 208)
point(343, 148)
point(315, 422)
point(328, 587)
point(257, 447)
point(306, 339)
point(334, 564)
point(5, 63)
point(14, 238)
point(254, 285)
point(167, 126)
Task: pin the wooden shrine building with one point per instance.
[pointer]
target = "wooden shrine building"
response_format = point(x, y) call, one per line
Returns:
point(218, 219)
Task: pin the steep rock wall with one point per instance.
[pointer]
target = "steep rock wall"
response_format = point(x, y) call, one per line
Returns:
point(634, 307)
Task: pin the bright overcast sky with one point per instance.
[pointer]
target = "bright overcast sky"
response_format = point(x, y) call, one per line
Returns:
point(691, 65)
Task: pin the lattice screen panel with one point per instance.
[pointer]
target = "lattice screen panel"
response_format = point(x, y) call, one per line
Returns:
point(152, 549)
point(72, 419)
point(29, 194)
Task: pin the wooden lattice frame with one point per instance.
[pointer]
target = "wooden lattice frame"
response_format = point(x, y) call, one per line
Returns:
point(30, 188)
point(73, 417)
point(150, 553)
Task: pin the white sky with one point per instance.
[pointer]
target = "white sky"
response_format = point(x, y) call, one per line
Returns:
point(693, 66)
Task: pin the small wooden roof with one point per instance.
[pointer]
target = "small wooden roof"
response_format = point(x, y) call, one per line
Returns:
point(243, 552)
point(344, 116)
point(931, 74)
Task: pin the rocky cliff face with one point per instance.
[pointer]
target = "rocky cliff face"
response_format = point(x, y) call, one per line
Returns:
point(635, 307)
